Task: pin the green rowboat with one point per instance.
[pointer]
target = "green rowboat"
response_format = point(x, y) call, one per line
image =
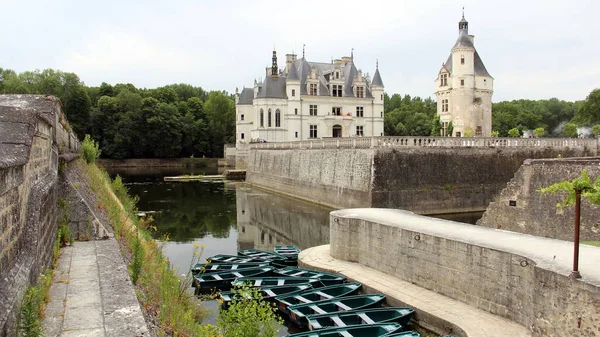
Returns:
point(375, 330)
point(222, 280)
point(406, 334)
point(315, 295)
point(326, 278)
point(277, 281)
point(261, 254)
point(363, 316)
point(208, 268)
point(268, 293)
point(299, 312)
point(290, 252)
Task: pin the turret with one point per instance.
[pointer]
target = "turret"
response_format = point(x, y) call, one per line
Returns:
point(377, 89)
point(463, 55)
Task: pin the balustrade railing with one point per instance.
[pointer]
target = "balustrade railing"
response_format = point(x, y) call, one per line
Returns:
point(406, 142)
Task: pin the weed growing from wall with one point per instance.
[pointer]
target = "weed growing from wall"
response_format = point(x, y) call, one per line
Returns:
point(33, 305)
point(90, 150)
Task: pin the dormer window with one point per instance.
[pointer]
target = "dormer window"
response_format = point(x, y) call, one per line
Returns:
point(312, 89)
point(360, 92)
point(337, 75)
point(443, 80)
point(462, 59)
point(336, 90)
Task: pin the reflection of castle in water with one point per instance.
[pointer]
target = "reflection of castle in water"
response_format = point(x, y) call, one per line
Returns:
point(265, 220)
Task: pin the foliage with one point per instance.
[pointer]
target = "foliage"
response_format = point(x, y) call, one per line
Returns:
point(408, 115)
point(469, 132)
point(495, 134)
point(569, 130)
point(514, 132)
point(450, 130)
point(248, 315)
point(596, 130)
point(29, 321)
point(539, 132)
point(137, 252)
point(589, 110)
point(436, 126)
point(590, 191)
point(90, 150)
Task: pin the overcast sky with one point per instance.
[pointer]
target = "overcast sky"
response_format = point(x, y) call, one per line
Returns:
point(534, 49)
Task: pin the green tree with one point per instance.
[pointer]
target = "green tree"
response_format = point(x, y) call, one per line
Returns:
point(569, 130)
point(539, 132)
point(514, 132)
point(220, 112)
point(436, 126)
point(596, 130)
point(589, 111)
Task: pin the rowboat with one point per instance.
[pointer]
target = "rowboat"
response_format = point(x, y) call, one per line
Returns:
point(277, 281)
point(299, 312)
point(375, 330)
point(290, 252)
point(222, 258)
point(208, 268)
point(222, 280)
point(315, 295)
point(326, 278)
point(407, 334)
point(271, 256)
point(268, 293)
point(363, 316)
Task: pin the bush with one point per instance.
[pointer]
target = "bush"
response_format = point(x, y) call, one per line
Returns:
point(514, 132)
point(495, 133)
point(90, 150)
point(539, 132)
point(596, 130)
point(569, 130)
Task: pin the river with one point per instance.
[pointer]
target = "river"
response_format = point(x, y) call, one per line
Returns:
point(225, 217)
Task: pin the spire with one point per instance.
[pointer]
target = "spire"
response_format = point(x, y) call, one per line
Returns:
point(303, 50)
point(274, 69)
point(463, 24)
point(377, 77)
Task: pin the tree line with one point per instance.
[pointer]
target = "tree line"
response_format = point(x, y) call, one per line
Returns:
point(180, 120)
point(177, 120)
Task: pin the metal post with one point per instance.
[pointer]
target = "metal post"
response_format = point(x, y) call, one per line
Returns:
point(575, 273)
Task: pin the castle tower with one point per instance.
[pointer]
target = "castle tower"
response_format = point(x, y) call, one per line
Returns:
point(377, 89)
point(464, 89)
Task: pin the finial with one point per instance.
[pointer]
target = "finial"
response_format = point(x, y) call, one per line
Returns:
point(352, 54)
point(377, 63)
point(303, 50)
point(463, 12)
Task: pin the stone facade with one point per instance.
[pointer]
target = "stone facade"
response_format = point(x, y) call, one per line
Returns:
point(417, 174)
point(520, 206)
point(31, 129)
point(464, 89)
point(507, 274)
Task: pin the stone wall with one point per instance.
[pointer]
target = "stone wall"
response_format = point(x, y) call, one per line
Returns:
point(520, 206)
point(29, 152)
point(423, 179)
point(516, 276)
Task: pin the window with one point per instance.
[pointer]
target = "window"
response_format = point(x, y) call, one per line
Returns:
point(382, 114)
point(484, 81)
point(462, 59)
point(312, 110)
point(242, 136)
point(293, 92)
point(359, 130)
point(444, 105)
point(313, 131)
point(269, 119)
point(277, 118)
point(295, 111)
point(336, 90)
point(478, 131)
point(360, 92)
point(443, 80)
point(360, 111)
point(262, 118)
point(312, 89)
point(242, 117)
point(336, 111)
point(296, 134)
point(444, 130)
point(382, 97)
point(337, 75)
point(462, 83)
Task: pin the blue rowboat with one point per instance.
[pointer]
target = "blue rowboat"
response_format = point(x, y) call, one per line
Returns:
point(277, 281)
point(222, 280)
point(208, 268)
point(267, 293)
point(315, 295)
point(299, 312)
point(375, 330)
point(326, 278)
point(363, 316)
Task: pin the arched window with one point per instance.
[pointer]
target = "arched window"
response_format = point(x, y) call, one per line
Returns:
point(277, 118)
point(262, 118)
point(269, 118)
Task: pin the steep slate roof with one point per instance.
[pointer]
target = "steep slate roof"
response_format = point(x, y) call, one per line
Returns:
point(463, 40)
point(377, 78)
point(247, 96)
point(293, 73)
point(480, 69)
point(273, 87)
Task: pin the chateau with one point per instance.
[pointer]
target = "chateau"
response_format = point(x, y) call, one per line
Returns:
point(310, 100)
point(464, 89)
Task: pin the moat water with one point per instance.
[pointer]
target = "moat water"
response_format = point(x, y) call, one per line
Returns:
point(225, 217)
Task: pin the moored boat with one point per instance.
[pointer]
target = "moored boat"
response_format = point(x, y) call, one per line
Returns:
point(222, 280)
point(267, 293)
point(326, 278)
point(222, 258)
point(363, 316)
point(406, 334)
point(315, 295)
point(375, 330)
point(277, 281)
point(299, 312)
point(290, 252)
point(261, 254)
point(208, 268)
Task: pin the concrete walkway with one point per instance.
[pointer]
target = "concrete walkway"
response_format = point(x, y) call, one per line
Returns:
point(457, 315)
point(92, 295)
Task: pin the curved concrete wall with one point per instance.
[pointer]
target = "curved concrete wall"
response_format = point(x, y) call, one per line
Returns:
point(517, 276)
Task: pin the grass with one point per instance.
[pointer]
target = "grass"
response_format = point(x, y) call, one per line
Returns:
point(592, 243)
point(159, 289)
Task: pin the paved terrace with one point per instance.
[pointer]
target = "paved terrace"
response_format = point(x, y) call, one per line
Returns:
point(549, 254)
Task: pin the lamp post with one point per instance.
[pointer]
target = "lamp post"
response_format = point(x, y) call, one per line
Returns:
point(575, 273)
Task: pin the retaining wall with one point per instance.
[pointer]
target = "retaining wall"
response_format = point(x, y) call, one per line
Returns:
point(520, 206)
point(516, 276)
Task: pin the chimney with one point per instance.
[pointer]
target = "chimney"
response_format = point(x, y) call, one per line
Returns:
point(346, 59)
point(472, 39)
point(289, 59)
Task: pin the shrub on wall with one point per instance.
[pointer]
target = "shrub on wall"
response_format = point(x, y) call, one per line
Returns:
point(514, 132)
point(90, 150)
